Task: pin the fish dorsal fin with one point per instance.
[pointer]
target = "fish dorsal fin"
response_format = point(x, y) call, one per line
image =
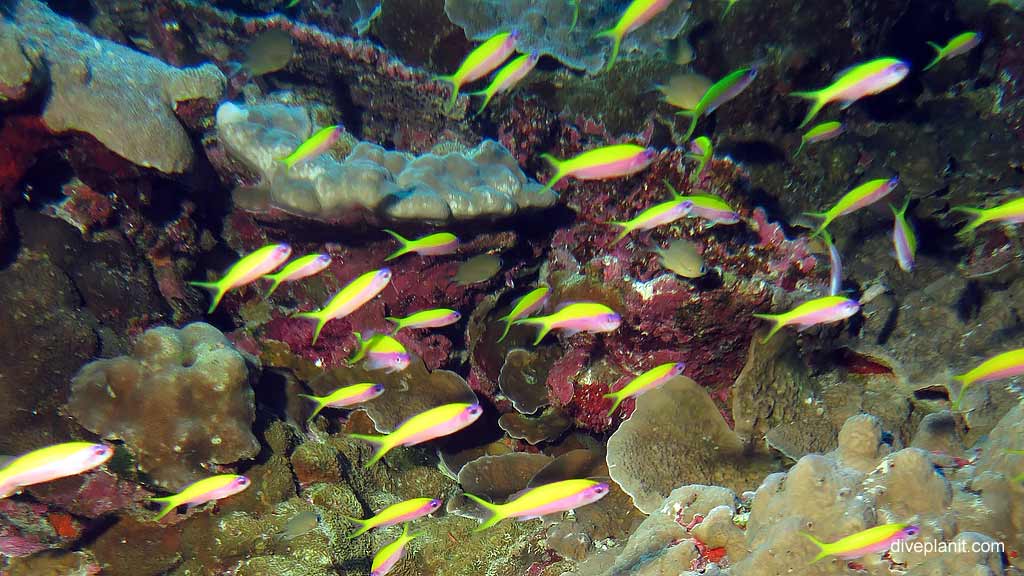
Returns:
point(5, 460)
point(841, 73)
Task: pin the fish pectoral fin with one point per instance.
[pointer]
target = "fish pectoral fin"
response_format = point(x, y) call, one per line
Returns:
point(843, 105)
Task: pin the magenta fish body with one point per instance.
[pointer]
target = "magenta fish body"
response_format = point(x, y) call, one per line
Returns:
point(715, 215)
point(904, 252)
point(390, 362)
point(442, 429)
point(733, 91)
point(598, 323)
point(494, 60)
point(570, 502)
point(836, 270)
point(655, 8)
point(828, 315)
point(369, 394)
point(427, 509)
point(279, 255)
point(875, 195)
point(439, 250)
point(879, 547)
point(88, 457)
point(617, 169)
point(234, 487)
point(315, 267)
point(874, 83)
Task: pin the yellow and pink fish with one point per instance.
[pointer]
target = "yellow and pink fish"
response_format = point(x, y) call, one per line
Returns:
point(349, 299)
point(434, 318)
point(406, 511)
point(528, 304)
point(437, 244)
point(871, 541)
point(1011, 212)
point(601, 163)
point(645, 382)
point(573, 317)
point(51, 463)
point(818, 311)
point(482, 61)
point(1005, 365)
point(203, 491)
point(638, 13)
point(424, 427)
point(381, 352)
point(657, 215)
point(298, 269)
point(552, 498)
point(507, 78)
point(317, 144)
point(247, 270)
point(864, 195)
point(854, 83)
point(345, 396)
point(386, 558)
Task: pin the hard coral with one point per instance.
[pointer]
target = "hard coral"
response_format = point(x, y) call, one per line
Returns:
point(551, 27)
point(481, 183)
point(181, 402)
point(88, 86)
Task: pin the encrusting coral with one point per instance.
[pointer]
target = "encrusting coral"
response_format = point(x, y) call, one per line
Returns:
point(564, 29)
point(182, 403)
point(484, 182)
point(124, 98)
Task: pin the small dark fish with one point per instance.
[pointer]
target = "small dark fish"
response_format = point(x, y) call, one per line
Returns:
point(301, 524)
point(269, 52)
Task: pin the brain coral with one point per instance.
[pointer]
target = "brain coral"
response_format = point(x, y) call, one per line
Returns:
point(124, 98)
point(546, 26)
point(181, 402)
point(484, 182)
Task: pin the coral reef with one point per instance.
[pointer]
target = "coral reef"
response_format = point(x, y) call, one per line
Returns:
point(181, 402)
point(482, 183)
point(86, 79)
point(564, 29)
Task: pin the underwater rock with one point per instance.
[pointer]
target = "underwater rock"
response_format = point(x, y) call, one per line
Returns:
point(548, 27)
point(484, 182)
point(87, 78)
point(181, 402)
point(523, 376)
point(55, 564)
point(496, 478)
point(676, 435)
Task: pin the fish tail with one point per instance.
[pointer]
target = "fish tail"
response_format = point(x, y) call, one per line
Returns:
point(319, 405)
point(496, 510)
point(276, 280)
point(693, 121)
point(397, 322)
point(455, 89)
point(364, 526)
point(557, 165)
point(821, 227)
point(320, 322)
point(728, 7)
point(902, 210)
point(938, 55)
point(488, 95)
point(508, 326)
point(543, 327)
point(401, 240)
point(616, 400)
point(575, 14)
point(822, 547)
point(626, 229)
point(380, 443)
point(964, 384)
point(979, 219)
point(776, 318)
point(612, 33)
point(799, 148)
point(167, 503)
point(672, 189)
point(818, 104)
point(217, 292)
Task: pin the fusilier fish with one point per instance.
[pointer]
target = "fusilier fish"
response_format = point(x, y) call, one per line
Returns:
point(820, 133)
point(437, 244)
point(317, 144)
point(382, 352)
point(1011, 212)
point(854, 83)
point(871, 541)
point(349, 299)
point(638, 13)
point(435, 318)
point(298, 269)
point(481, 61)
point(903, 238)
point(1005, 365)
point(203, 491)
point(959, 44)
point(575, 317)
point(720, 92)
point(602, 163)
point(528, 304)
point(645, 382)
point(385, 559)
point(664, 213)
point(249, 269)
point(864, 195)
point(345, 397)
point(701, 151)
point(51, 463)
point(545, 499)
point(709, 207)
point(507, 78)
point(406, 511)
point(818, 311)
point(423, 427)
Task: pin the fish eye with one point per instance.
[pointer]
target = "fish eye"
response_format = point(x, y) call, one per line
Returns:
point(435, 503)
point(101, 450)
point(242, 481)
